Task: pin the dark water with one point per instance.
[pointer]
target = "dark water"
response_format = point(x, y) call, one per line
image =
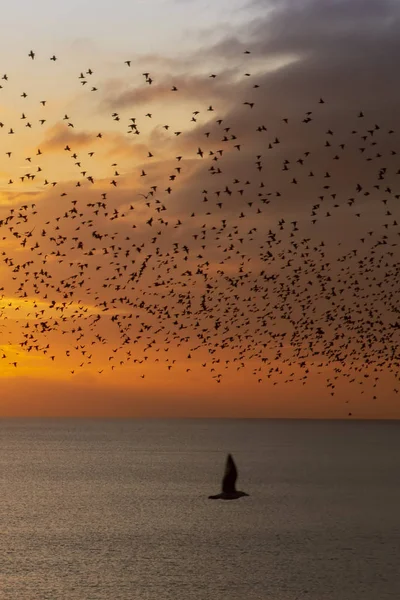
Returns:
point(118, 510)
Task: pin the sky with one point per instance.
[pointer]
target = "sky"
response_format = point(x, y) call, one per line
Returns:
point(218, 237)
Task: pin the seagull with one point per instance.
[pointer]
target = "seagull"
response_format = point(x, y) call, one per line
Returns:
point(229, 491)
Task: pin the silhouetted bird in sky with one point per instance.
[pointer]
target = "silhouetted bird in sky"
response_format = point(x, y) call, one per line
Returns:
point(229, 491)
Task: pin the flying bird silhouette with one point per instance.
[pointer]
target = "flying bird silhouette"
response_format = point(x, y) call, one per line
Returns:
point(229, 491)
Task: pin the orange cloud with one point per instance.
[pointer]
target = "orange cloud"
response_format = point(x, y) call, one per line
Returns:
point(61, 135)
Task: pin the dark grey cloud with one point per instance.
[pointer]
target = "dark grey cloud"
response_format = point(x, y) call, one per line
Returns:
point(348, 49)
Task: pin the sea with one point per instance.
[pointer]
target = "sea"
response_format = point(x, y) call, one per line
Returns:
point(118, 509)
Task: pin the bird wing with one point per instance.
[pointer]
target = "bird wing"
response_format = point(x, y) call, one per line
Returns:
point(230, 476)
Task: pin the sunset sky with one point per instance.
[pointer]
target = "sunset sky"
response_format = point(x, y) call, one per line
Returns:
point(257, 274)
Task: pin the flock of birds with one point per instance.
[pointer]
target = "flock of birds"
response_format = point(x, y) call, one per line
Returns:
point(229, 245)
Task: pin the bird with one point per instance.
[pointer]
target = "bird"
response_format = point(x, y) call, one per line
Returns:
point(229, 491)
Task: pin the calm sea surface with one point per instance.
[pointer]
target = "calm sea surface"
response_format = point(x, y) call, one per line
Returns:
point(118, 510)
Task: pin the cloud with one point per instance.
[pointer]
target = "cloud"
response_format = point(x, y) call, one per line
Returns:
point(345, 48)
point(199, 88)
point(61, 135)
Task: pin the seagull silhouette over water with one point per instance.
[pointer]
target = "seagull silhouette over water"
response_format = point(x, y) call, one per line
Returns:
point(229, 491)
